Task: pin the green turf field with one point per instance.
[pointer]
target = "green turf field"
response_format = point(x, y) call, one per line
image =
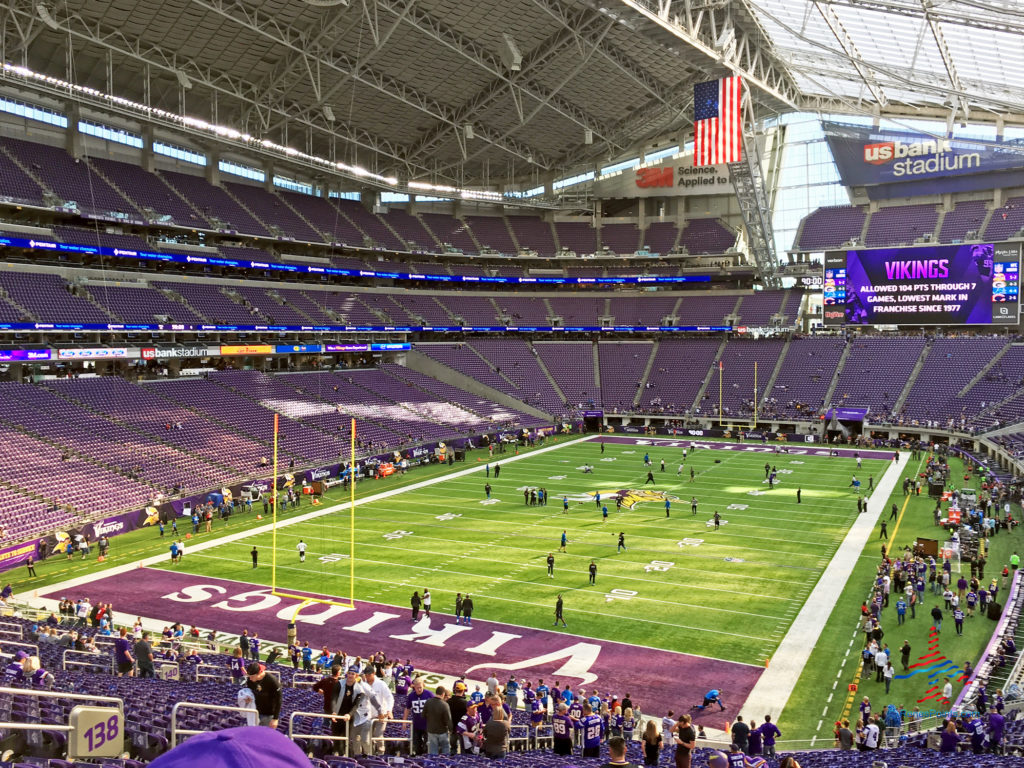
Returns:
point(729, 594)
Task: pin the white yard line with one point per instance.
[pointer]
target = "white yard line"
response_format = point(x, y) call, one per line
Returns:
point(66, 586)
point(774, 687)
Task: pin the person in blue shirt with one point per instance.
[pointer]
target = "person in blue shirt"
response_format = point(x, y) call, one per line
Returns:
point(901, 611)
point(714, 696)
point(542, 693)
point(568, 695)
point(476, 697)
point(512, 693)
point(668, 507)
point(565, 540)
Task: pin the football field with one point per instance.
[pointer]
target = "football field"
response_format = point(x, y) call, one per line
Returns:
point(678, 585)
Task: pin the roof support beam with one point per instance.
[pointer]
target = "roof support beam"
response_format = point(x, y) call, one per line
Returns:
point(846, 43)
point(534, 61)
point(217, 84)
point(701, 29)
point(995, 20)
point(283, 35)
point(519, 85)
point(947, 58)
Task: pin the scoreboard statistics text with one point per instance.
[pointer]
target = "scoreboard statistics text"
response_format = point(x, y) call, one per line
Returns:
point(965, 284)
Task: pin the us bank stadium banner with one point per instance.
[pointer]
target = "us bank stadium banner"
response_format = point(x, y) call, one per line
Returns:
point(892, 163)
point(975, 284)
point(672, 177)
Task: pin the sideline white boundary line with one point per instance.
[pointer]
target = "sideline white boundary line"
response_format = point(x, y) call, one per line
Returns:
point(772, 691)
point(70, 584)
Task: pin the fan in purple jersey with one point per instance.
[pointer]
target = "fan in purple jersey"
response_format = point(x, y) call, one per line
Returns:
point(468, 730)
point(592, 729)
point(562, 730)
point(415, 701)
point(537, 713)
point(576, 709)
point(15, 671)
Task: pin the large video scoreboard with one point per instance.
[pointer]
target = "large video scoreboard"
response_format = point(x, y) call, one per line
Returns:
point(975, 284)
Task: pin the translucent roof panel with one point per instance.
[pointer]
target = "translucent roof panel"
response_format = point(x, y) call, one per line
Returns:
point(856, 48)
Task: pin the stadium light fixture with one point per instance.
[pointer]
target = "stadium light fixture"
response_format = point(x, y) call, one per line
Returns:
point(245, 139)
point(183, 80)
point(328, 113)
point(588, 136)
point(44, 14)
point(468, 130)
point(515, 56)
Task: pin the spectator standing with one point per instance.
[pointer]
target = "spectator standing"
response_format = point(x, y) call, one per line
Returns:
point(123, 654)
point(496, 734)
point(685, 740)
point(439, 722)
point(416, 700)
point(652, 743)
point(144, 656)
point(267, 693)
point(769, 733)
point(740, 732)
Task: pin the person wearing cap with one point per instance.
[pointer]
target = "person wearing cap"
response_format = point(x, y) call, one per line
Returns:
point(458, 706)
point(382, 702)
point(512, 693)
point(468, 730)
point(325, 687)
point(234, 748)
point(267, 692)
point(15, 671)
point(354, 698)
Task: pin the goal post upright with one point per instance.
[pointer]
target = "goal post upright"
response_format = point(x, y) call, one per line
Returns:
point(352, 516)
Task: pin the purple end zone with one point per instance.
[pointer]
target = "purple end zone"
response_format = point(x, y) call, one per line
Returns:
point(790, 449)
point(657, 680)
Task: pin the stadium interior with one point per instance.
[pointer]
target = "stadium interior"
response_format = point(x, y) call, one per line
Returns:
point(231, 229)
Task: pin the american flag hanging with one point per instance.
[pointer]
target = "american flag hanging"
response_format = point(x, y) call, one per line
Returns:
point(718, 121)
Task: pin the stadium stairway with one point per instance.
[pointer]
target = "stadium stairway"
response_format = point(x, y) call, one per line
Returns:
point(421, 363)
point(984, 371)
point(835, 375)
point(646, 374)
point(770, 384)
point(551, 379)
point(95, 169)
point(898, 407)
point(707, 377)
point(597, 367)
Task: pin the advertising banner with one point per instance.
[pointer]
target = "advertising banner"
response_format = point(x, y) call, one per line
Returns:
point(12, 557)
point(96, 353)
point(247, 349)
point(671, 177)
point(19, 355)
point(164, 353)
point(867, 156)
point(924, 285)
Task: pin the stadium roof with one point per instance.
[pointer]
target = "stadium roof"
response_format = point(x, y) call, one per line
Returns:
point(484, 92)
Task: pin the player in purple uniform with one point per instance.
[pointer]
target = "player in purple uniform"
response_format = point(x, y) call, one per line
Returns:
point(592, 729)
point(414, 704)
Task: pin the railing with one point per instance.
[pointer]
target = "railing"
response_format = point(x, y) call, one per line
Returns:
point(98, 661)
point(55, 695)
point(175, 730)
point(322, 736)
point(218, 673)
point(531, 738)
point(16, 631)
point(32, 648)
point(305, 679)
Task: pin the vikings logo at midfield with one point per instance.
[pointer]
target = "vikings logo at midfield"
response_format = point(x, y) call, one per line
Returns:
point(630, 497)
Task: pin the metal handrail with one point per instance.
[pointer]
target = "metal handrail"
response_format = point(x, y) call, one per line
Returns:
point(54, 695)
point(219, 673)
point(7, 626)
point(18, 644)
point(175, 730)
point(301, 679)
point(95, 660)
point(325, 737)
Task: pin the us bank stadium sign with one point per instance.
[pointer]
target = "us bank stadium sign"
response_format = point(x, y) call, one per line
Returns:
point(672, 177)
point(873, 157)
